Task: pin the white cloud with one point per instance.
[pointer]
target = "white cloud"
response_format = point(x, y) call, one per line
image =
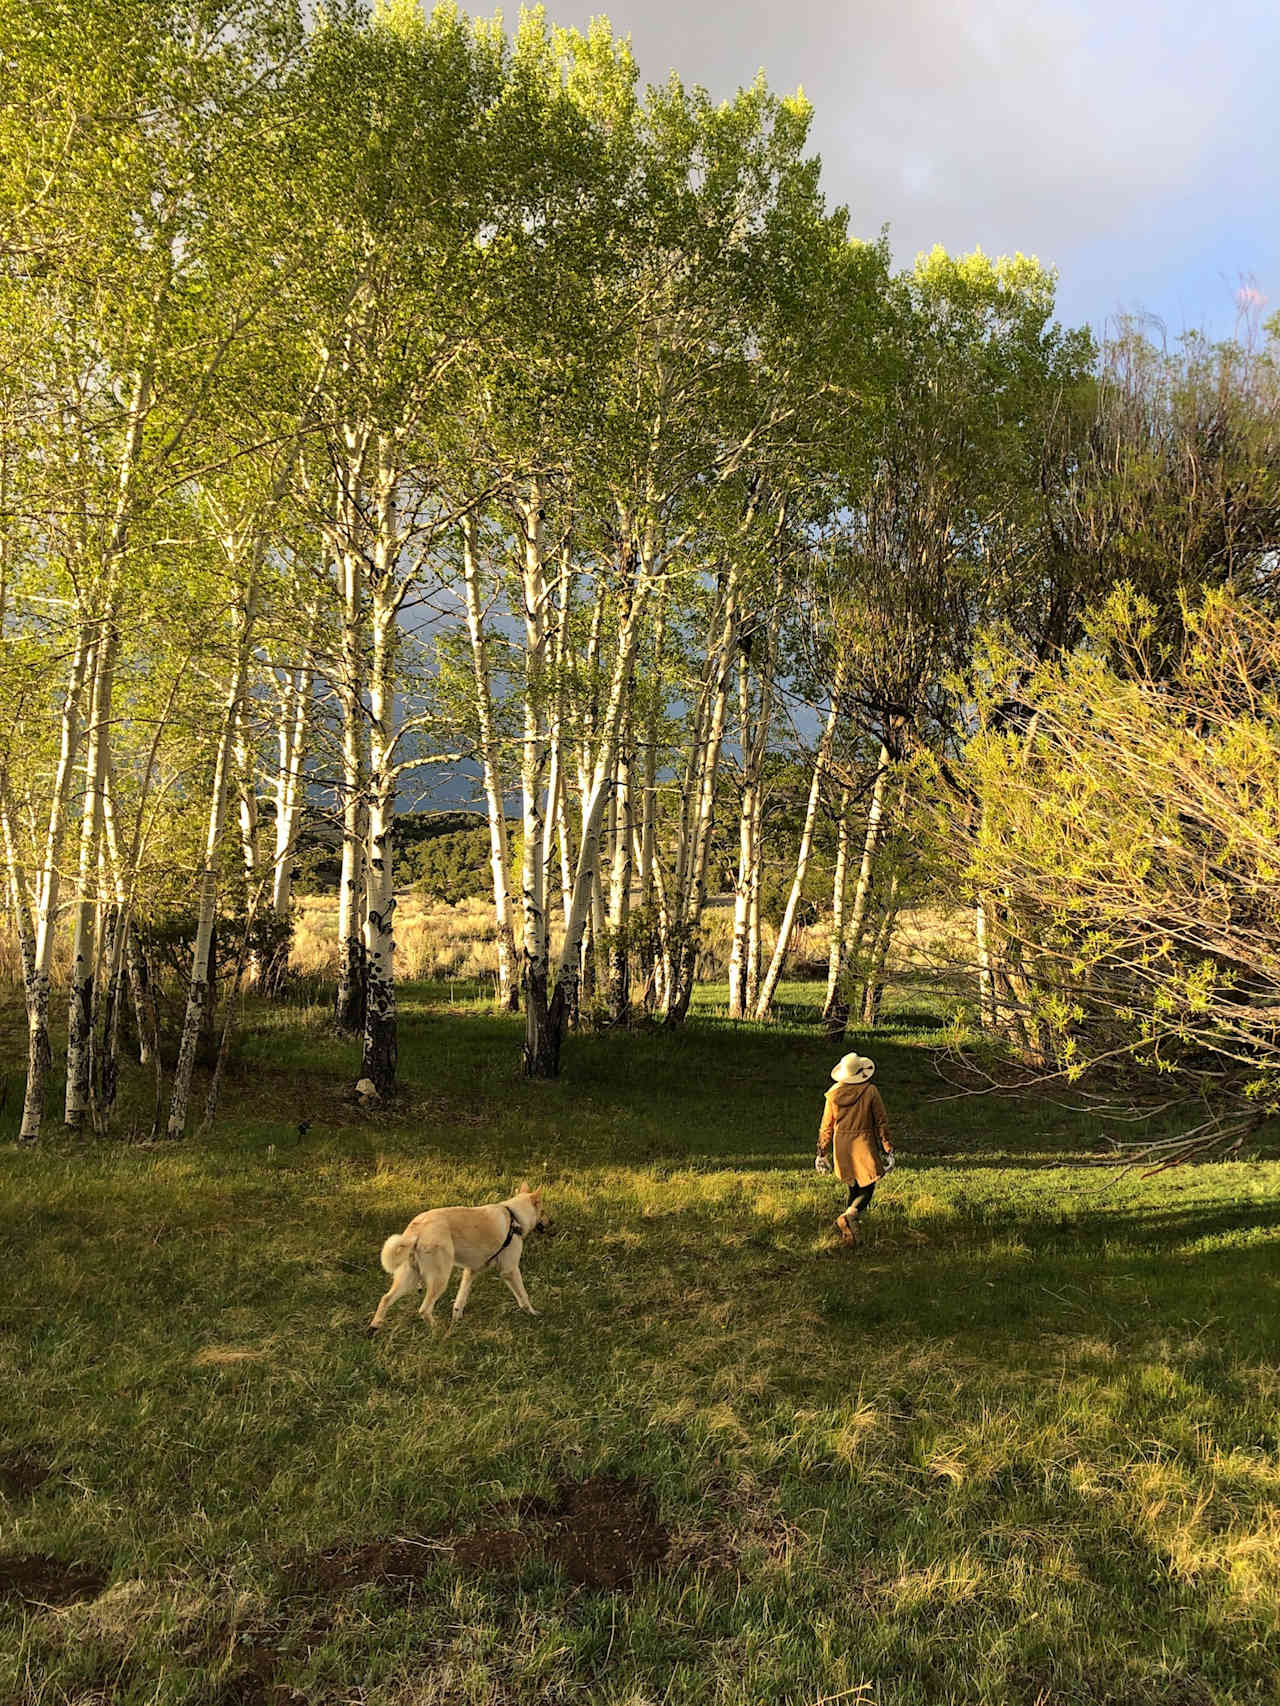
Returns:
point(1133, 129)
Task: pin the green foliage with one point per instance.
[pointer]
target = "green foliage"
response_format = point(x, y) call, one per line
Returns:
point(449, 867)
point(1123, 821)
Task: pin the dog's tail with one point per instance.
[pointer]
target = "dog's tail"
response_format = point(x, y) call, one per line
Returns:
point(398, 1249)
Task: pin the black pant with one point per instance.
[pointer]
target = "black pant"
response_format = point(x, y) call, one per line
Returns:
point(860, 1198)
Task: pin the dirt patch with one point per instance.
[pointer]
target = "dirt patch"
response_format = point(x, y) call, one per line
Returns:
point(398, 1562)
point(253, 1679)
point(602, 1532)
point(21, 1472)
point(40, 1580)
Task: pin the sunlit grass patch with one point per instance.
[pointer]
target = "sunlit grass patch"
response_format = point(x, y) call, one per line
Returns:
point(1022, 1446)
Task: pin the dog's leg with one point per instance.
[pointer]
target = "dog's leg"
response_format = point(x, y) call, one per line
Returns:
point(403, 1281)
point(435, 1284)
point(463, 1293)
point(512, 1277)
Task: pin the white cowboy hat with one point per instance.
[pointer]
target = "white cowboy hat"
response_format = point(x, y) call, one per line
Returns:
point(853, 1069)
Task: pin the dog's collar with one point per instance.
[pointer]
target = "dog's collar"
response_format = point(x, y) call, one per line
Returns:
point(514, 1230)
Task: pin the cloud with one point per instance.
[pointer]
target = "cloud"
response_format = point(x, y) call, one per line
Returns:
point(1129, 129)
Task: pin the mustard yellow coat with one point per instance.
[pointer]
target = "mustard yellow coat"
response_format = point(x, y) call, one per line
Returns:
point(854, 1121)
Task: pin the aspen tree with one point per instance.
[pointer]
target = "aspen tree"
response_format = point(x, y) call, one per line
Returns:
point(508, 987)
point(821, 759)
point(754, 739)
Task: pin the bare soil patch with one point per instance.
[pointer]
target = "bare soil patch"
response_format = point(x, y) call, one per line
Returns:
point(21, 1472)
point(41, 1580)
point(602, 1532)
point(397, 1562)
point(259, 1658)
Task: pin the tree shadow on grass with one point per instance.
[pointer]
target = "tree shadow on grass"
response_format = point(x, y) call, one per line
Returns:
point(1136, 1274)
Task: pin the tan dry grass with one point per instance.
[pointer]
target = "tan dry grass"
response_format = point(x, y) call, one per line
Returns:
point(433, 939)
point(436, 940)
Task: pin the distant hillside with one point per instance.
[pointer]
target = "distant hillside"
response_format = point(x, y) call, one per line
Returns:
point(440, 853)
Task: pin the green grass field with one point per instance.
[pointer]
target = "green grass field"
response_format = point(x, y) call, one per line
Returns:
point(1022, 1447)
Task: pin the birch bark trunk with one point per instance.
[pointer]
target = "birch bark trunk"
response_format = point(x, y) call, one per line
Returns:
point(293, 723)
point(349, 999)
point(755, 955)
point(541, 1056)
point(555, 825)
point(39, 1054)
point(746, 898)
point(508, 986)
point(292, 734)
point(19, 900)
point(649, 938)
point(199, 987)
point(836, 1018)
point(746, 852)
point(112, 865)
point(600, 786)
point(619, 984)
point(986, 986)
point(80, 1007)
point(782, 946)
point(680, 951)
point(835, 952)
point(873, 985)
point(247, 798)
point(381, 1045)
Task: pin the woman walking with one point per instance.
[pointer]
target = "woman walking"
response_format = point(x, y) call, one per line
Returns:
point(855, 1124)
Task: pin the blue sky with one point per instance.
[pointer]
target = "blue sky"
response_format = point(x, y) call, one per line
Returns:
point(1134, 145)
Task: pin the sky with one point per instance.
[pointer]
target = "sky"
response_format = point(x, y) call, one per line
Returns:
point(1132, 144)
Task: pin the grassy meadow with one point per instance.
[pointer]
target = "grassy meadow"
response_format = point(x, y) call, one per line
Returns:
point(1021, 1447)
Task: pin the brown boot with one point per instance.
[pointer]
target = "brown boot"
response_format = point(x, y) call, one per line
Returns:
point(847, 1229)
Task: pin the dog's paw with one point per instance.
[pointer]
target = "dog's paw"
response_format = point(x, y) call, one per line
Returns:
point(371, 1332)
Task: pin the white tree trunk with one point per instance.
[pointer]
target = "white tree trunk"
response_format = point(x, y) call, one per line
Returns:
point(294, 726)
point(381, 1051)
point(680, 950)
point(123, 869)
point(349, 1000)
point(38, 991)
point(19, 899)
point(247, 795)
point(649, 943)
point(541, 1057)
point(986, 985)
point(207, 901)
point(599, 788)
point(754, 738)
point(555, 823)
point(746, 851)
point(873, 984)
point(508, 987)
point(618, 924)
point(835, 953)
point(782, 947)
point(84, 947)
point(246, 769)
point(838, 1016)
point(381, 1044)
point(755, 955)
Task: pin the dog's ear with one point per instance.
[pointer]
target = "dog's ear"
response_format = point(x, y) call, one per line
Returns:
point(535, 1197)
point(523, 1191)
